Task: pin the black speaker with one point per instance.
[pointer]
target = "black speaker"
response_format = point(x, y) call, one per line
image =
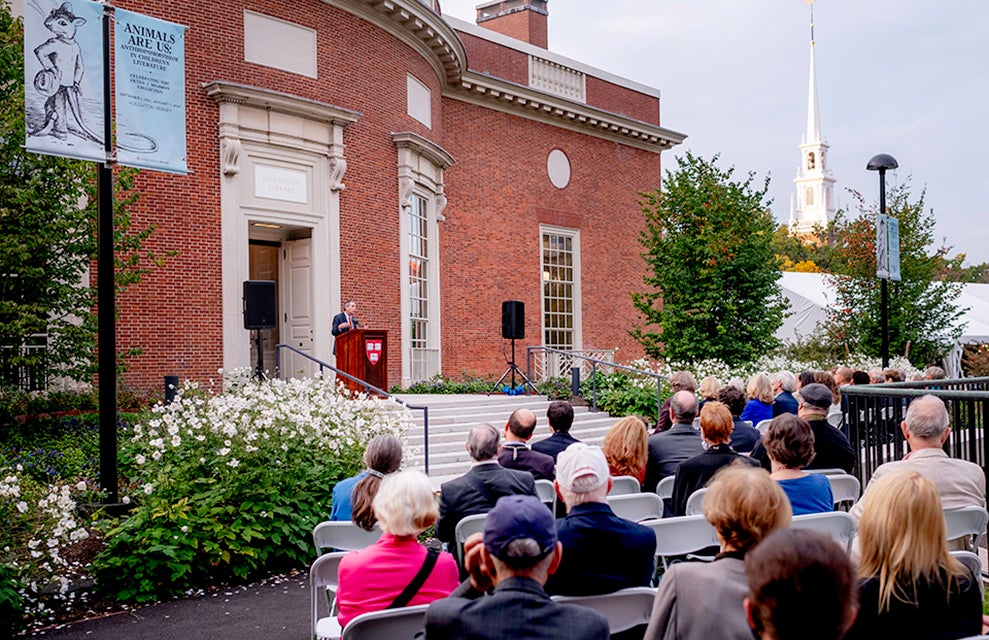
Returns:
point(512, 320)
point(259, 304)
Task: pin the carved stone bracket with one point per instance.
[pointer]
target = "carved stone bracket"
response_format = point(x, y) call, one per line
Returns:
point(230, 156)
point(338, 167)
point(405, 187)
point(440, 204)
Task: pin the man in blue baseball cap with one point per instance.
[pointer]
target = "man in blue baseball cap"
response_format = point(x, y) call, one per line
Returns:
point(512, 560)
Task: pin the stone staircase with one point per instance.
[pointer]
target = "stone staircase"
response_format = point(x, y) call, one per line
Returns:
point(451, 418)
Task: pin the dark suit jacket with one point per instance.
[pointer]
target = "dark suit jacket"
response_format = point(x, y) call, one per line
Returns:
point(518, 456)
point(667, 450)
point(785, 403)
point(694, 473)
point(338, 320)
point(831, 449)
point(602, 553)
point(553, 445)
point(743, 436)
point(517, 608)
point(477, 491)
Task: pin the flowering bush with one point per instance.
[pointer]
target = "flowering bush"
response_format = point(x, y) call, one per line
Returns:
point(226, 486)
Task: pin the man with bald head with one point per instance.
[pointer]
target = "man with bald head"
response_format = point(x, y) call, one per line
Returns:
point(669, 448)
point(515, 455)
point(478, 490)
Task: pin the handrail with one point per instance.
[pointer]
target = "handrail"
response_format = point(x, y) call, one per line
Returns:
point(594, 378)
point(368, 387)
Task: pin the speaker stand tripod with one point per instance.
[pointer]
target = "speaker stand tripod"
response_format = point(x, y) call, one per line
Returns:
point(513, 369)
point(259, 367)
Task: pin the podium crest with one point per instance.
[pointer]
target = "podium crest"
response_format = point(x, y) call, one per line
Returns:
point(373, 350)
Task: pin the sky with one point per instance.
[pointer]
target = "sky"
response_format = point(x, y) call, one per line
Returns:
point(909, 78)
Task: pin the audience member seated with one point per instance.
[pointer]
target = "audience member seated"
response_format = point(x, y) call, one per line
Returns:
point(831, 447)
point(693, 473)
point(382, 456)
point(701, 600)
point(397, 571)
point(804, 378)
point(934, 373)
point(560, 417)
point(784, 384)
point(708, 390)
point(926, 427)
point(602, 553)
point(892, 375)
point(760, 404)
point(515, 455)
point(679, 381)
point(909, 584)
point(835, 416)
point(801, 587)
point(744, 436)
point(860, 377)
point(669, 448)
point(789, 443)
point(478, 490)
point(512, 559)
point(842, 376)
point(626, 447)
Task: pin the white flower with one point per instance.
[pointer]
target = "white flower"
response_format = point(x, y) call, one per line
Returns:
point(224, 451)
point(156, 455)
point(176, 441)
point(147, 488)
point(233, 463)
point(22, 506)
point(125, 499)
point(139, 458)
point(20, 467)
point(184, 529)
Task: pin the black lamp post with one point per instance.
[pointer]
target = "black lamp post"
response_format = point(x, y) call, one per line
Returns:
point(881, 163)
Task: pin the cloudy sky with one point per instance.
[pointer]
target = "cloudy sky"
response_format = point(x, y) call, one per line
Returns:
point(908, 77)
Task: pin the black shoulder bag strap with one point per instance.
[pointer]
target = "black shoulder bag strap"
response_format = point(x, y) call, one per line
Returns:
point(412, 589)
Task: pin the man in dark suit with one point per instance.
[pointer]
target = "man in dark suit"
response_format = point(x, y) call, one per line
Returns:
point(784, 384)
point(743, 435)
point(478, 490)
point(344, 322)
point(512, 559)
point(560, 417)
point(515, 455)
point(669, 448)
point(602, 553)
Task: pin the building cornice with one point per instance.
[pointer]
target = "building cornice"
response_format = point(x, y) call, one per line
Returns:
point(426, 148)
point(508, 97)
point(223, 91)
point(418, 26)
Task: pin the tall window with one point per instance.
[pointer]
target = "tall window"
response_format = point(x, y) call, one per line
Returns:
point(561, 288)
point(418, 220)
point(809, 198)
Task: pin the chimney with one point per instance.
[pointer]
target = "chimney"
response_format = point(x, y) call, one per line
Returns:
point(523, 20)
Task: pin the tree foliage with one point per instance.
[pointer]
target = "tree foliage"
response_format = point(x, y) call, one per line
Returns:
point(923, 311)
point(712, 282)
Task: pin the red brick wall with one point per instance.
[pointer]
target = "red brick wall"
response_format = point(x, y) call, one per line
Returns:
point(527, 26)
point(616, 99)
point(488, 57)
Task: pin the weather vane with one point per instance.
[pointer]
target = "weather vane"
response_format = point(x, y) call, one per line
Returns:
point(811, 3)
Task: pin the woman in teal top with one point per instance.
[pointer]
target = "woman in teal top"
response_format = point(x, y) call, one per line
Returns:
point(382, 456)
point(789, 441)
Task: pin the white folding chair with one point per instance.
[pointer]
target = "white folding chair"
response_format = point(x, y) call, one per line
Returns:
point(624, 609)
point(763, 425)
point(405, 623)
point(967, 521)
point(323, 583)
point(827, 472)
point(682, 535)
point(839, 524)
point(624, 485)
point(466, 527)
point(637, 506)
point(695, 503)
point(665, 488)
point(546, 492)
point(343, 535)
point(974, 564)
point(844, 488)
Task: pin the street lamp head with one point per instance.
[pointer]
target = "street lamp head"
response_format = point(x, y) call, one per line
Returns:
point(881, 162)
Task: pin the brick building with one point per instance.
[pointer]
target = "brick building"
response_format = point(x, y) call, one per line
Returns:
point(379, 151)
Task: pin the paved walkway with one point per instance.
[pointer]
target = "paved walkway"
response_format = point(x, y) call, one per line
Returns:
point(276, 609)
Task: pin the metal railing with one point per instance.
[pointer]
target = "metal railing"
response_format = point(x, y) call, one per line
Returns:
point(25, 377)
point(559, 362)
point(368, 388)
point(594, 362)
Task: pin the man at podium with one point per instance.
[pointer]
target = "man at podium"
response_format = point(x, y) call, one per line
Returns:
point(344, 322)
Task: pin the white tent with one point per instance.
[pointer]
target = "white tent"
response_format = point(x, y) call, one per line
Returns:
point(809, 296)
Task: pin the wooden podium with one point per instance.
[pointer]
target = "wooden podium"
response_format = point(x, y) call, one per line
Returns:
point(363, 353)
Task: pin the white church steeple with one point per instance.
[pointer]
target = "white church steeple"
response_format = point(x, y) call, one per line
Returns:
point(814, 183)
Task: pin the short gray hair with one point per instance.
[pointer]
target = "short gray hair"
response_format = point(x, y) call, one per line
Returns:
point(788, 381)
point(405, 504)
point(572, 498)
point(483, 441)
point(927, 418)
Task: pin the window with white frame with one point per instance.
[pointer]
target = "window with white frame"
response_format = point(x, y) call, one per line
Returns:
point(561, 288)
point(419, 281)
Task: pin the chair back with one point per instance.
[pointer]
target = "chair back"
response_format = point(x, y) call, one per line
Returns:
point(967, 521)
point(695, 503)
point(624, 609)
point(546, 492)
point(973, 563)
point(469, 525)
point(844, 488)
point(839, 524)
point(323, 583)
point(637, 506)
point(827, 472)
point(763, 425)
point(624, 485)
point(665, 488)
point(405, 623)
point(343, 535)
point(682, 535)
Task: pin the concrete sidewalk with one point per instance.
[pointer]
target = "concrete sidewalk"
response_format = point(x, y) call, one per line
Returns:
point(274, 609)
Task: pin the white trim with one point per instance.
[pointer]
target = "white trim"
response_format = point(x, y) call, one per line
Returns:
point(578, 333)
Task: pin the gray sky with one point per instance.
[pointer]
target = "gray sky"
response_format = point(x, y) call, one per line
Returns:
point(906, 77)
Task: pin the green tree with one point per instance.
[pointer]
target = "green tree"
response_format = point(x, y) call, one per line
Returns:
point(923, 311)
point(712, 282)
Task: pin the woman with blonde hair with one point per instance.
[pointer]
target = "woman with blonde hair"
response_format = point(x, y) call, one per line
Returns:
point(626, 447)
point(909, 585)
point(760, 404)
point(708, 390)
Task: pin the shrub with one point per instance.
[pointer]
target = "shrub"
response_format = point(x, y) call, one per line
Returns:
point(468, 383)
point(227, 486)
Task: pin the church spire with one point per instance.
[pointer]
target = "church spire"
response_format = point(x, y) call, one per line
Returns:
point(813, 110)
